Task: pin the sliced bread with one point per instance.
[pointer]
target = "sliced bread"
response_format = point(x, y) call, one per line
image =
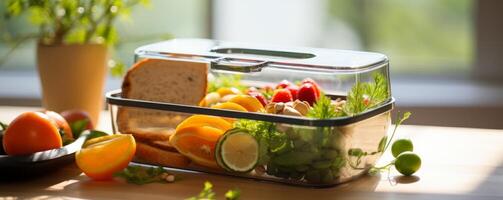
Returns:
point(170, 81)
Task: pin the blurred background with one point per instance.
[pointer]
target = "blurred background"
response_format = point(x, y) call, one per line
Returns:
point(446, 55)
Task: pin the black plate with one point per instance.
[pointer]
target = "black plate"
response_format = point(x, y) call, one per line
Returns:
point(40, 162)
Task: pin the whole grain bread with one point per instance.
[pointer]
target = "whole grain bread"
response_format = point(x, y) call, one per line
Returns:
point(170, 81)
point(146, 153)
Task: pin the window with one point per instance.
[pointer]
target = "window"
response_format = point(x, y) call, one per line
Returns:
point(161, 20)
point(419, 36)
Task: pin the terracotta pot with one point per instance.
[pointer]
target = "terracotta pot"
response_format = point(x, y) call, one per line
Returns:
point(73, 77)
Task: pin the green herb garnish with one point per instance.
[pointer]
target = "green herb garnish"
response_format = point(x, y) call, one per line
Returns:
point(208, 194)
point(323, 109)
point(94, 134)
point(142, 175)
point(366, 95)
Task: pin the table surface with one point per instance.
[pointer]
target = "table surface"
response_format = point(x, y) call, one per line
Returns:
point(457, 163)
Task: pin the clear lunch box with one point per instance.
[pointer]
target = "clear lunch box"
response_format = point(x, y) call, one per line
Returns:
point(304, 151)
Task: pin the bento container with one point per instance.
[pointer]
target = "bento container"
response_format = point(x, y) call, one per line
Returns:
point(311, 152)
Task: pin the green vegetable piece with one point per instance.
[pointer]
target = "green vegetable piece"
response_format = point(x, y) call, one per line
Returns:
point(407, 163)
point(285, 147)
point(324, 164)
point(338, 163)
point(263, 151)
point(298, 144)
point(291, 134)
point(302, 168)
point(326, 176)
point(313, 176)
point(271, 169)
point(400, 146)
point(330, 154)
point(294, 158)
point(282, 174)
point(306, 134)
point(296, 175)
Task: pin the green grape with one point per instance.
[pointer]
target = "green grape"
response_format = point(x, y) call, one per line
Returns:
point(401, 145)
point(407, 163)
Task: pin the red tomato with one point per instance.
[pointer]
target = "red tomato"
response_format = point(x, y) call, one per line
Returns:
point(282, 95)
point(61, 123)
point(72, 116)
point(31, 132)
point(307, 92)
point(315, 85)
point(294, 90)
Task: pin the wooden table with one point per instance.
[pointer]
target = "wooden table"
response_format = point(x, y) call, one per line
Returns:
point(458, 163)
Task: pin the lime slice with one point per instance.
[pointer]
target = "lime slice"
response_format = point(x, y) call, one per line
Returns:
point(237, 151)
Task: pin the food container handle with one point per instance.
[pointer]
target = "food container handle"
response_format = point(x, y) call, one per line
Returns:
point(238, 65)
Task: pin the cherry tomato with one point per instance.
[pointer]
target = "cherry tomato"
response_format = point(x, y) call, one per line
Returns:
point(282, 95)
point(294, 90)
point(307, 92)
point(315, 85)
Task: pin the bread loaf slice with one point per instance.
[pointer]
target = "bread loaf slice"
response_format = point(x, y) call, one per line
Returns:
point(170, 81)
point(155, 156)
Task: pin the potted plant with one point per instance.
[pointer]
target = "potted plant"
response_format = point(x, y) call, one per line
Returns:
point(74, 38)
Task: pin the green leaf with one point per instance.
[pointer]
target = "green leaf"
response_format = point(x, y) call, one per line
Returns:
point(39, 16)
point(232, 194)
point(76, 36)
point(142, 175)
point(3, 126)
point(78, 126)
point(95, 134)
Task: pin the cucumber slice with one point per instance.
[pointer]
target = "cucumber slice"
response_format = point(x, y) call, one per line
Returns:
point(237, 151)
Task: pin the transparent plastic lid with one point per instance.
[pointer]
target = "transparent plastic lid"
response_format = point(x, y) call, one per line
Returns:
point(243, 57)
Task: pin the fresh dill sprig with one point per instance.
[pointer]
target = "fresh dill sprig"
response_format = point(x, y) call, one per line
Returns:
point(365, 95)
point(323, 109)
